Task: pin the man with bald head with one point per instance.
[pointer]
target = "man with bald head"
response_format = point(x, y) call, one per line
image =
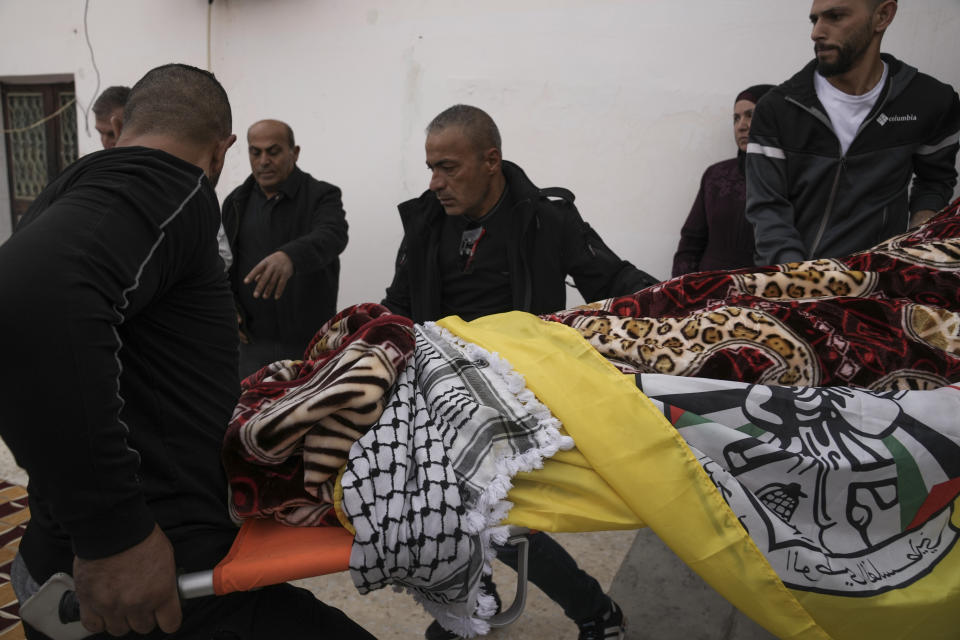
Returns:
point(119, 370)
point(484, 239)
point(286, 230)
point(854, 148)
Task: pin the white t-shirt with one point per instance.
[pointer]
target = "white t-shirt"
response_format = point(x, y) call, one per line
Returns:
point(847, 112)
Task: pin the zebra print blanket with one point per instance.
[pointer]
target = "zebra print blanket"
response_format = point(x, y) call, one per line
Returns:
point(296, 420)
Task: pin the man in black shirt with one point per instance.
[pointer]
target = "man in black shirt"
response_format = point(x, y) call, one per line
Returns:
point(118, 336)
point(286, 231)
point(532, 238)
point(476, 283)
point(481, 240)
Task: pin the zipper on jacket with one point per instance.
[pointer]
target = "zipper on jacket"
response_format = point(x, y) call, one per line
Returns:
point(236, 230)
point(825, 219)
point(528, 277)
point(822, 117)
point(836, 180)
point(828, 211)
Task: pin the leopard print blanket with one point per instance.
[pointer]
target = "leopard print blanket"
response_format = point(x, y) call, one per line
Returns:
point(296, 420)
point(884, 319)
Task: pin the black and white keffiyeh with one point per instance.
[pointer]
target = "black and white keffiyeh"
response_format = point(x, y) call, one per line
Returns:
point(425, 487)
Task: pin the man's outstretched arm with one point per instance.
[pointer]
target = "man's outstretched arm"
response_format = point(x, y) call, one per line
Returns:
point(597, 271)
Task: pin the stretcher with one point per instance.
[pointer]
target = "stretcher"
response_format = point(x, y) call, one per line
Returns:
point(264, 553)
point(749, 484)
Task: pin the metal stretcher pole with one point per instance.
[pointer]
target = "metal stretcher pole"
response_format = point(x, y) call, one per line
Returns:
point(513, 612)
point(54, 611)
point(196, 585)
point(200, 583)
point(189, 585)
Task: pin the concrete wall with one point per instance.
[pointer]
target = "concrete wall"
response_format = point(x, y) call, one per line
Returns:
point(624, 102)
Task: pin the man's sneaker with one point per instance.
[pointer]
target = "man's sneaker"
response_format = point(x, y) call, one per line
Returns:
point(611, 625)
point(436, 632)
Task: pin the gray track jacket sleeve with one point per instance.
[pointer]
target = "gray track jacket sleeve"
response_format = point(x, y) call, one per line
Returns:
point(768, 209)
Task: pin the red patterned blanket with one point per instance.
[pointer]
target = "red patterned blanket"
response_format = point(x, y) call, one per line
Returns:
point(886, 318)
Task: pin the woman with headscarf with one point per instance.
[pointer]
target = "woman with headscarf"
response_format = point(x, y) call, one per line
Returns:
point(716, 234)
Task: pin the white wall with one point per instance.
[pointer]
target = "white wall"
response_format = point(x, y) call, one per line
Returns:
point(43, 41)
point(624, 102)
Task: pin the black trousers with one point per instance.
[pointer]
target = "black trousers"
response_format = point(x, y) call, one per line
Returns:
point(257, 355)
point(280, 611)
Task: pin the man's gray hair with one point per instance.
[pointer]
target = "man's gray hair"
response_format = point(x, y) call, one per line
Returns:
point(478, 126)
point(179, 100)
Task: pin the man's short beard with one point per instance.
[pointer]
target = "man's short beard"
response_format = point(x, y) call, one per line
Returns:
point(848, 53)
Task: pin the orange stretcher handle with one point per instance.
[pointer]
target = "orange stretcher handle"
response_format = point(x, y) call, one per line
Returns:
point(266, 552)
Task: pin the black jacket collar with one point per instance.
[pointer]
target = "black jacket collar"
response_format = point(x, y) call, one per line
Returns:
point(801, 88)
point(521, 188)
point(289, 187)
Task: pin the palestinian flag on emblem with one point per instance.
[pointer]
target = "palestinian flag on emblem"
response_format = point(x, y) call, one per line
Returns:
point(851, 495)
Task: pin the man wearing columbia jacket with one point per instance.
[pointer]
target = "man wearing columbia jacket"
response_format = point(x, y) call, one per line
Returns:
point(826, 181)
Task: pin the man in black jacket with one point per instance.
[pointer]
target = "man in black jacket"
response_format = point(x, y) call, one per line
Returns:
point(481, 240)
point(119, 345)
point(484, 239)
point(286, 231)
point(833, 150)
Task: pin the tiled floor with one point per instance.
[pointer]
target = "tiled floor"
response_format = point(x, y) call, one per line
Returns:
point(9, 470)
point(13, 515)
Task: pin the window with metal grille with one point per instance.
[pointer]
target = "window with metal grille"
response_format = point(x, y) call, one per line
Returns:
point(36, 153)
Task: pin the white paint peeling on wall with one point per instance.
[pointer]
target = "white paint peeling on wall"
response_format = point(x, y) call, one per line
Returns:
point(625, 102)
